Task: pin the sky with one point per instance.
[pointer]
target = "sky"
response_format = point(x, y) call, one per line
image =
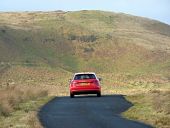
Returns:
point(154, 9)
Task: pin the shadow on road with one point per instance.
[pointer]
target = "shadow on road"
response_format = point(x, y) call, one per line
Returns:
point(88, 112)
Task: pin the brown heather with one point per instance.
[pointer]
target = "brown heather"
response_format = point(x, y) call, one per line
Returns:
point(33, 121)
point(152, 108)
point(11, 97)
point(160, 102)
point(44, 49)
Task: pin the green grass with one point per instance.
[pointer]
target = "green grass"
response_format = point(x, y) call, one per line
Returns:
point(152, 108)
point(122, 43)
point(25, 114)
point(44, 49)
point(19, 105)
point(56, 81)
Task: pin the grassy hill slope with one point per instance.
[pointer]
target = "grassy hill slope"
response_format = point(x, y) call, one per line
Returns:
point(39, 51)
point(85, 41)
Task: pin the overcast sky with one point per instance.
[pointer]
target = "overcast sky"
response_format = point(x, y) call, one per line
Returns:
point(154, 9)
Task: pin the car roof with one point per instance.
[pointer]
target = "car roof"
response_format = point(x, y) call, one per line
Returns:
point(84, 73)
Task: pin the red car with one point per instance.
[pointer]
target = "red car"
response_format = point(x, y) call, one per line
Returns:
point(85, 83)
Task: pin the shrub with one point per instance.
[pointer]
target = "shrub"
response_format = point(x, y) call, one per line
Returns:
point(84, 38)
point(86, 50)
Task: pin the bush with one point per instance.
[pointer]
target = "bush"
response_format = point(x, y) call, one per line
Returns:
point(84, 38)
point(88, 50)
point(88, 38)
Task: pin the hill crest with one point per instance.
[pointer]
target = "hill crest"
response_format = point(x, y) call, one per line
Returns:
point(85, 41)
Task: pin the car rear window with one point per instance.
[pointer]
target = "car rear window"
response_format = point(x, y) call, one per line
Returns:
point(84, 76)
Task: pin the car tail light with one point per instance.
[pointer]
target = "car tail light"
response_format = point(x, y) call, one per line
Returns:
point(96, 82)
point(74, 83)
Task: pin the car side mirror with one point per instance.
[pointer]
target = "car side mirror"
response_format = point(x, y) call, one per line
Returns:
point(70, 80)
point(100, 79)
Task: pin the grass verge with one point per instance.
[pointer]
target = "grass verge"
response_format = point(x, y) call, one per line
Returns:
point(152, 108)
point(19, 106)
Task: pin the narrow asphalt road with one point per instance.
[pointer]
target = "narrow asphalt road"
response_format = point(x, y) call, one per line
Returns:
point(87, 112)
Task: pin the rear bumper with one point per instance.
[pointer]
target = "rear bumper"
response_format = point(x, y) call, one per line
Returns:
point(85, 91)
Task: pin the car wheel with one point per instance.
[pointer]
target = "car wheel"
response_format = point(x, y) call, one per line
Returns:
point(99, 94)
point(71, 95)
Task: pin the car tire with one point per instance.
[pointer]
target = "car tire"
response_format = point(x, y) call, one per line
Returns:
point(99, 94)
point(71, 95)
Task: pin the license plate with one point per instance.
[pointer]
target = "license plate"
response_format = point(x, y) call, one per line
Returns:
point(84, 84)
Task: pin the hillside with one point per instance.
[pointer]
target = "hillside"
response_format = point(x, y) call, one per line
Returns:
point(39, 51)
point(103, 42)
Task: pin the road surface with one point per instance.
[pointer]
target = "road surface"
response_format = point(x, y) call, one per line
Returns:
point(87, 112)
